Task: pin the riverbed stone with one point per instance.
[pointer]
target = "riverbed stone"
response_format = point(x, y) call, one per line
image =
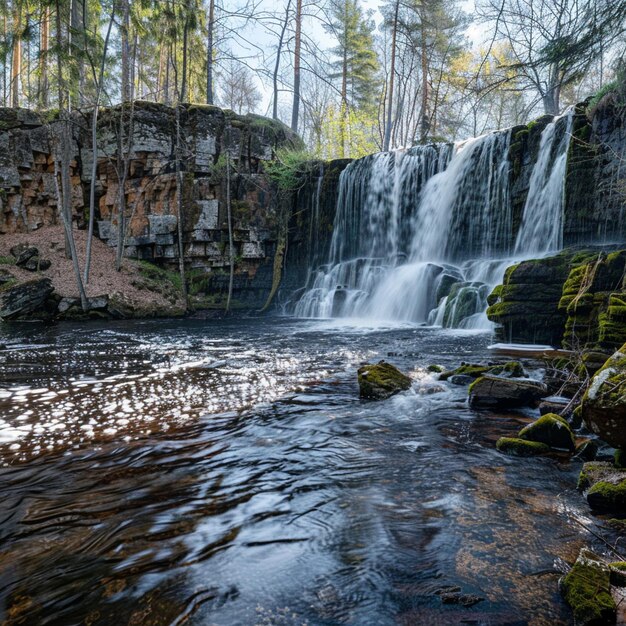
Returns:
point(496, 392)
point(603, 406)
point(510, 369)
point(381, 380)
point(27, 299)
point(587, 590)
point(552, 430)
point(515, 446)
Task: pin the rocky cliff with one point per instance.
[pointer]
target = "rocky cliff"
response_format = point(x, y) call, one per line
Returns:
point(146, 165)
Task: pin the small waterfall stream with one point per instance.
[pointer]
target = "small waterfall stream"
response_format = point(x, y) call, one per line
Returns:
point(422, 235)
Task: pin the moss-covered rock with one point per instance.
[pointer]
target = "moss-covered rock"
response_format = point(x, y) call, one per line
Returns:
point(496, 392)
point(607, 496)
point(587, 590)
point(596, 471)
point(620, 459)
point(510, 369)
point(603, 406)
point(381, 380)
point(520, 447)
point(436, 369)
point(618, 573)
point(552, 430)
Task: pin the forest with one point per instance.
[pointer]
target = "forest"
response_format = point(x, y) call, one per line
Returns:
point(350, 77)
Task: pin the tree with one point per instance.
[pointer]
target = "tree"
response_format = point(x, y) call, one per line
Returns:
point(356, 63)
point(237, 88)
point(554, 41)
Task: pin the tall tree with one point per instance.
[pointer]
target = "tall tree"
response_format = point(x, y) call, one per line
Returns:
point(297, 52)
point(356, 63)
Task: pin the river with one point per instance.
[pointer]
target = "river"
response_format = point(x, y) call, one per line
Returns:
point(226, 472)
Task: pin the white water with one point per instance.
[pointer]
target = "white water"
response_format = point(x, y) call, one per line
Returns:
point(424, 235)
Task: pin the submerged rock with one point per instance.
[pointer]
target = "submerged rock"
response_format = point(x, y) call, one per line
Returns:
point(381, 380)
point(603, 407)
point(587, 451)
point(496, 392)
point(552, 430)
point(461, 379)
point(26, 299)
point(587, 589)
point(521, 447)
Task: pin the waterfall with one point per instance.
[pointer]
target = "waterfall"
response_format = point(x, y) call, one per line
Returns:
point(541, 230)
point(422, 235)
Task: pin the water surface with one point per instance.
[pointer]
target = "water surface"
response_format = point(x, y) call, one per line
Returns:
point(226, 472)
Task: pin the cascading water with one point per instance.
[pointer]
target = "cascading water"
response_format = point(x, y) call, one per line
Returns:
point(541, 230)
point(423, 235)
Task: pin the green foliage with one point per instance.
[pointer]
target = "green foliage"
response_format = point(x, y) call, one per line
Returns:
point(160, 275)
point(289, 168)
point(607, 88)
point(7, 260)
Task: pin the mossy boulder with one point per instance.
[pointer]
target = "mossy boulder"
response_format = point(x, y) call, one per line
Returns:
point(603, 407)
point(618, 573)
point(496, 392)
point(552, 430)
point(587, 590)
point(608, 496)
point(510, 369)
point(520, 447)
point(381, 380)
point(436, 369)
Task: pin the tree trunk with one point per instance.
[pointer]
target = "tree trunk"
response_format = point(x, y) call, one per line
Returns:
point(231, 246)
point(43, 59)
point(16, 61)
point(279, 50)
point(125, 28)
point(425, 122)
point(392, 72)
point(94, 147)
point(209, 53)
point(295, 111)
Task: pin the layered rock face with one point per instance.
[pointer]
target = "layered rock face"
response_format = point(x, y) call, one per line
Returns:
point(146, 166)
point(576, 298)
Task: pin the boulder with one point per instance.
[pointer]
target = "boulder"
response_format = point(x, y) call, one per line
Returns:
point(37, 264)
point(587, 589)
point(553, 405)
point(510, 369)
point(604, 486)
point(587, 451)
point(520, 447)
point(618, 573)
point(26, 299)
point(23, 253)
point(603, 407)
point(461, 379)
point(381, 380)
point(552, 430)
point(497, 392)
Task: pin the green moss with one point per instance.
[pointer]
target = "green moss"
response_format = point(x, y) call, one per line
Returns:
point(511, 369)
point(7, 260)
point(550, 429)
point(608, 496)
point(587, 589)
point(437, 369)
point(520, 447)
point(158, 274)
point(381, 380)
point(618, 573)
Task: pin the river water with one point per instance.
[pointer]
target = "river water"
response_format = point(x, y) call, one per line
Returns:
point(226, 472)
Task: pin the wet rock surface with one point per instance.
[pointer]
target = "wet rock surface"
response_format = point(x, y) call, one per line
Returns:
point(28, 299)
point(493, 391)
point(381, 380)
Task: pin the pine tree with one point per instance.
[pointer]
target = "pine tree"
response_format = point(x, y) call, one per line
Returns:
point(356, 63)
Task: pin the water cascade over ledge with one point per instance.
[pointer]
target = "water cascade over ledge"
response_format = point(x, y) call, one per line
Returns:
point(422, 235)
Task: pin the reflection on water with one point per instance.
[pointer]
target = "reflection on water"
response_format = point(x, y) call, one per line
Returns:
point(227, 473)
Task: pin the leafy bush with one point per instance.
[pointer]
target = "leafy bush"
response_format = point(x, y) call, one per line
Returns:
point(289, 168)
